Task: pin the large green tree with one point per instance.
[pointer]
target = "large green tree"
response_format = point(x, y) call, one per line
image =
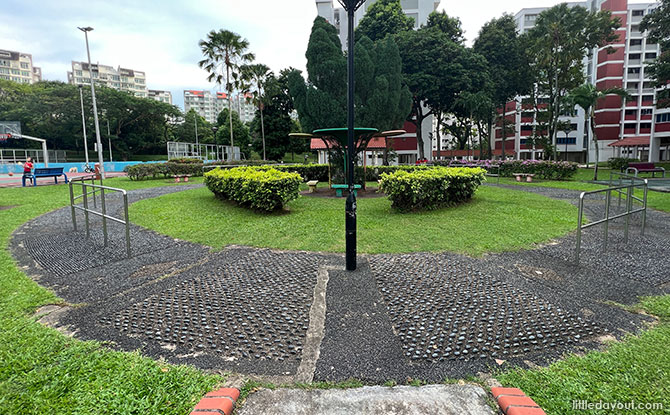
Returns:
point(658, 25)
point(381, 99)
point(556, 47)
point(436, 69)
point(382, 18)
point(499, 43)
point(224, 52)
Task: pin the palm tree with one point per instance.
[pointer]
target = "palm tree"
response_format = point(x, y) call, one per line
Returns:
point(257, 75)
point(225, 49)
point(587, 97)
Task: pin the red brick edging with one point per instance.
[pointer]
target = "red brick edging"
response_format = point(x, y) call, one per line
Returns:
point(218, 402)
point(513, 401)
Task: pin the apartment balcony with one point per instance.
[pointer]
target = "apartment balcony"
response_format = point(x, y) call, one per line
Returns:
point(634, 47)
point(633, 62)
point(632, 75)
point(645, 130)
point(629, 131)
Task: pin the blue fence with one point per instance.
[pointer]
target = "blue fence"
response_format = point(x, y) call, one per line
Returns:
point(113, 166)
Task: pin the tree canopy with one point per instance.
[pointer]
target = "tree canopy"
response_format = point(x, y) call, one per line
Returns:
point(382, 18)
point(52, 110)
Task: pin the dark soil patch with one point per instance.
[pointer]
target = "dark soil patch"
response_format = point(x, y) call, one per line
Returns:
point(369, 192)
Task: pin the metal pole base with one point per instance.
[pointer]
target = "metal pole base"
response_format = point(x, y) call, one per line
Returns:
point(350, 224)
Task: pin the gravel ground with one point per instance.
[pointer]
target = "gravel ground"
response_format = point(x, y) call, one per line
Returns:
point(415, 316)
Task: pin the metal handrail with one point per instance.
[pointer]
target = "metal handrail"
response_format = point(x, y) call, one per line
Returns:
point(630, 197)
point(103, 214)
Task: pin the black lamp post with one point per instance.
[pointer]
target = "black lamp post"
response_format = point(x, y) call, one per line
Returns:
point(350, 6)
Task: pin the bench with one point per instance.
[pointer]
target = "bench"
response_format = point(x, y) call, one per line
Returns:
point(339, 187)
point(54, 172)
point(528, 176)
point(178, 177)
point(312, 185)
point(636, 168)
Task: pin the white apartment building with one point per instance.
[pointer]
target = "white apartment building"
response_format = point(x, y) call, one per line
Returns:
point(123, 79)
point(634, 128)
point(18, 67)
point(209, 105)
point(406, 146)
point(162, 96)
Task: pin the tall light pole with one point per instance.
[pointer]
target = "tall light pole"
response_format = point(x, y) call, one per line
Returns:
point(195, 123)
point(95, 106)
point(83, 123)
point(109, 140)
point(350, 208)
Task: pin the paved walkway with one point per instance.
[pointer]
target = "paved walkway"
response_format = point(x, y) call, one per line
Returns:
point(297, 316)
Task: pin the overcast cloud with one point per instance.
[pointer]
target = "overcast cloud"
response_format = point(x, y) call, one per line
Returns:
point(161, 37)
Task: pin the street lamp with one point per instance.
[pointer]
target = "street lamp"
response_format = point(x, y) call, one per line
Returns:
point(350, 208)
point(83, 122)
point(95, 106)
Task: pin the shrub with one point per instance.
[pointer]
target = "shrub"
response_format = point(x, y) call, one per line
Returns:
point(156, 170)
point(261, 188)
point(620, 163)
point(543, 169)
point(430, 188)
point(186, 160)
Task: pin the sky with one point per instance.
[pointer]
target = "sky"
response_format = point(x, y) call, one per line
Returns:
point(161, 37)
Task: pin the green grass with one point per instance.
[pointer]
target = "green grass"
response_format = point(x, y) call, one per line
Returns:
point(43, 371)
point(656, 200)
point(496, 219)
point(637, 369)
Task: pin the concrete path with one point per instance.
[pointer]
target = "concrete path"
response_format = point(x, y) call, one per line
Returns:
point(371, 400)
point(296, 316)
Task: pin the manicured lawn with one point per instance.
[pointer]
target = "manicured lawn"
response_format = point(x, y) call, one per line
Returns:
point(656, 200)
point(495, 220)
point(43, 371)
point(637, 369)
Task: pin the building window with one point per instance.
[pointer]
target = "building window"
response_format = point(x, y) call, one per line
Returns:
point(24, 65)
point(646, 111)
point(633, 70)
point(647, 98)
point(634, 56)
point(631, 112)
point(638, 13)
point(636, 42)
point(663, 117)
point(650, 56)
point(566, 140)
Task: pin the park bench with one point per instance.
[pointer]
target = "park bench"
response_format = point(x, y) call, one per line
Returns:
point(339, 187)
point(528, 176)
point(312, 185)
point(178, 177)
point(44, 172)
point(636, 168)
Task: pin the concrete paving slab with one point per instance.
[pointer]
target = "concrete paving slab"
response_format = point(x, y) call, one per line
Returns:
point(371, 400)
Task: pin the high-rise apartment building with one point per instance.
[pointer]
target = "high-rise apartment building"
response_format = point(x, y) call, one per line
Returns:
point(123, 79)
point(633, 128)
point(209, 105)
point(162, 96)
point(18, 67)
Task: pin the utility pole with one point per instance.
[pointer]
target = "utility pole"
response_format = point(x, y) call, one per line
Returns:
point(83, 123)
point(95, 106)
point(109, 139)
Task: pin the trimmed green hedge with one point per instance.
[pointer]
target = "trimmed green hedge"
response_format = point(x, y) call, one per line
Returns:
point(620, 163)
point(543, 169)
point(158, 170)
point(430, 188)
point(261, 188)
